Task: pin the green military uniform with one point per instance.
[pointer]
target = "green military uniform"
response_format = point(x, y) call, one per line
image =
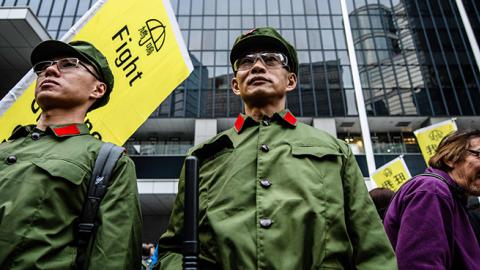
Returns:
point(43, 183)
point(279, 194)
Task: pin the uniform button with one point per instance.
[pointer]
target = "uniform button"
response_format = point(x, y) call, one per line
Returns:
point(35, 136)
point(265, 148)
point(11, 159)
point(265, 222)
point(265, 183)
point(266, 122)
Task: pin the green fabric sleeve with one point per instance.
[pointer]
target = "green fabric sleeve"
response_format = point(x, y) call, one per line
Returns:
point(371, 247)
point(170, 243)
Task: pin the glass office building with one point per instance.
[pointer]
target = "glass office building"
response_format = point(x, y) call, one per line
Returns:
point(414, 57)
point(415, 63)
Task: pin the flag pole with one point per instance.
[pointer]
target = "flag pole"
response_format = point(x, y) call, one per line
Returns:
point(362, 113)
point(469, 31)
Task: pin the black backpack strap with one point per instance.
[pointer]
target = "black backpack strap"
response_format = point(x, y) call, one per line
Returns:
point(104, 165)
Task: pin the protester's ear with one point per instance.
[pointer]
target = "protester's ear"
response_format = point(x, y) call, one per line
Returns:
point(292, 81)
point(234, 85)
point(99, 90)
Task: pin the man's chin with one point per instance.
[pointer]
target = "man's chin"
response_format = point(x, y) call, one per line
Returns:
point(44, 94)
point(256, 103)
point(260, 96)
point(46, 102)
point(474, 189)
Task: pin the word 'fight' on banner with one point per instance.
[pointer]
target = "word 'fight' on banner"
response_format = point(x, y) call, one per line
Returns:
point(145, 50)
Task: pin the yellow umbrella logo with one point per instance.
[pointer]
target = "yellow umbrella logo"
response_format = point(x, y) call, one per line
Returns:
point(435, 135)
point(387, 172)
point(152, 34)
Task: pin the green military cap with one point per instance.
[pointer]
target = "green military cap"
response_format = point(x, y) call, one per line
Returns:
point(86, 52)
point(264, 38)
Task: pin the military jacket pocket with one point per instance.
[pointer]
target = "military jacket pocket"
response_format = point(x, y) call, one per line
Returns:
point(325, 161)
point(314, 151)
point(62, 168)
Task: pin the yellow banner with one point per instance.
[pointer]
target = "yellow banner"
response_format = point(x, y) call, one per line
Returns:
point(429, 137)
point(147, 55)
point(392, 175)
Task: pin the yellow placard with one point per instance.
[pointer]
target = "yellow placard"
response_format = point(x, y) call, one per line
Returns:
point(392, 175)
point(429, 137)
point(147, 55)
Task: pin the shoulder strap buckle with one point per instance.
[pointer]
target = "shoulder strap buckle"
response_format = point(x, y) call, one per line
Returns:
point(85, 227)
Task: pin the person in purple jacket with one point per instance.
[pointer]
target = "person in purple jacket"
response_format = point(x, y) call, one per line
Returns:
point(427, 221)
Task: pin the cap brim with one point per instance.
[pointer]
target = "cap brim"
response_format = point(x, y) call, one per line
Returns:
point(49, 49)
point(257, 41)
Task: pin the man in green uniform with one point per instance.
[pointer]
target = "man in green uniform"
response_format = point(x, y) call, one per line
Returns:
point(46, 168)
point(276, 193)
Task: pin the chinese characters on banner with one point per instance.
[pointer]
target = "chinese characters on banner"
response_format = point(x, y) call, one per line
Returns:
point(429, 137)
point(392, 175)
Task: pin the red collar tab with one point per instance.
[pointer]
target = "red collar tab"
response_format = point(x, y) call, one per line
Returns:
point(64, 131)
point(239, 123)
point(290, 118)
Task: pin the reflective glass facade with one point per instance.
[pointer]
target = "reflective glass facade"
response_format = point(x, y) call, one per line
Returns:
point(414, 56)
point(314, 27)
point(57, 16)
point(451, 79)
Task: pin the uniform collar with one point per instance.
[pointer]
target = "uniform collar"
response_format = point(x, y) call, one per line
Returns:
point(66, 130)
point(285, 117)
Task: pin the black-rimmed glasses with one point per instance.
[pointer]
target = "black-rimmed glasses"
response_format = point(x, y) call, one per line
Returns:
point(63, 64)
point(269, 59)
